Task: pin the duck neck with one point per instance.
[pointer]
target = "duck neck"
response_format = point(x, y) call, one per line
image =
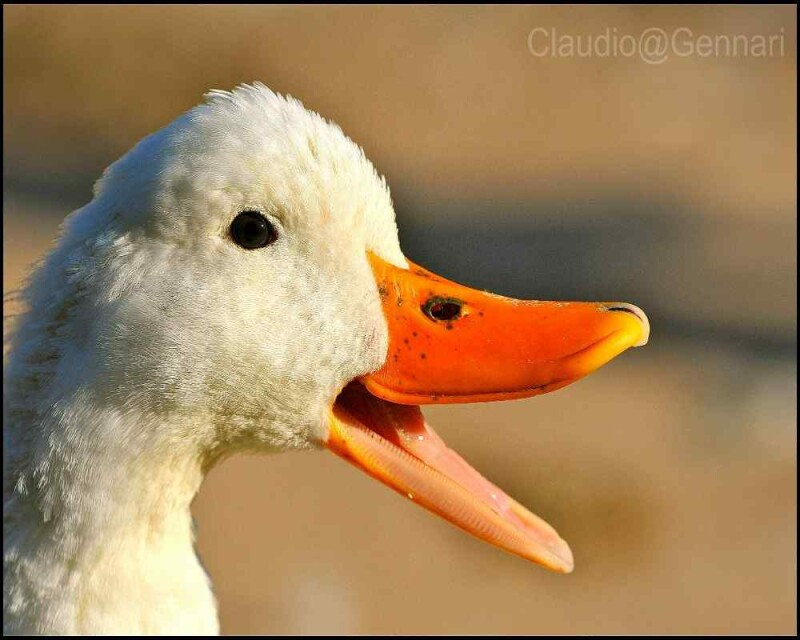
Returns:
point(98, 531)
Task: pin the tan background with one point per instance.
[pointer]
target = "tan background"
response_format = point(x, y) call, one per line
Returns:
point(671, 472)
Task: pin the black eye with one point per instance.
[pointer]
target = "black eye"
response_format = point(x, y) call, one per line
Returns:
point(251, 230)
point(442, 309)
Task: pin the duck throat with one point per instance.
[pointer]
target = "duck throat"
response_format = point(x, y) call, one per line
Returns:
point(98, 532)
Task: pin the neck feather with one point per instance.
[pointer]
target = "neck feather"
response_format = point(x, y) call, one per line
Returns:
point(98, 532)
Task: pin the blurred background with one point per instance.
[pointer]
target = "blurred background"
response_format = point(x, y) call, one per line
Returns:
point(671, 472)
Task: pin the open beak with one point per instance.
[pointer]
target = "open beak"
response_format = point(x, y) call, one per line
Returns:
point(449, 343)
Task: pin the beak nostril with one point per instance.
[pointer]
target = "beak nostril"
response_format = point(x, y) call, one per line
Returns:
point(442, 309)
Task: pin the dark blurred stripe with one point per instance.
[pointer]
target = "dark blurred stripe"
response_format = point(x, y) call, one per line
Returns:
point(645, 252)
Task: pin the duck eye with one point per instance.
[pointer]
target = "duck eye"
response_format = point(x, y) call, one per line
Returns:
point(442, 309)
point(251, 230)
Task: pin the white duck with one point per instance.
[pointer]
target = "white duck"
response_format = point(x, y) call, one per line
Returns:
point(237, 284)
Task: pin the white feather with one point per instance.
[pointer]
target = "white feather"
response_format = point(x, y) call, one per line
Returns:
point(152, 345)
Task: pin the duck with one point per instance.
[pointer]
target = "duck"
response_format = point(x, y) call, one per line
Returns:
point(236, 284)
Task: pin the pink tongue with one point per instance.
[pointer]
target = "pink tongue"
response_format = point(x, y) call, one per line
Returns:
point(405, 427)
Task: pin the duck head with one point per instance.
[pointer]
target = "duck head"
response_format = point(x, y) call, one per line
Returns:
point(240, 273)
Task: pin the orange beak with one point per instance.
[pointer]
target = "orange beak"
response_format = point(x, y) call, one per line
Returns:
point(449, 343)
